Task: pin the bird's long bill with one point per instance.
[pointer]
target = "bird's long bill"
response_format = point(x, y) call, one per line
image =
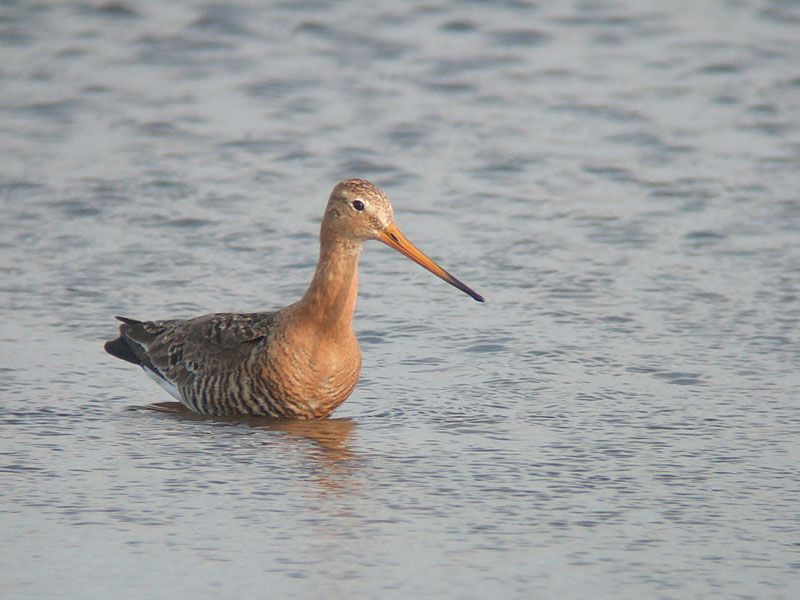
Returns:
point(392, 237)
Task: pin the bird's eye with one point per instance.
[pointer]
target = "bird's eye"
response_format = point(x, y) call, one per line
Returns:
point(358, 205)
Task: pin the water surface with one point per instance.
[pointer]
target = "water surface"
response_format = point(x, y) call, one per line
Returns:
point(619, 420)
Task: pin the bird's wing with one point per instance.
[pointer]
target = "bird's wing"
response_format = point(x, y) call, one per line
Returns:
point(179, 351)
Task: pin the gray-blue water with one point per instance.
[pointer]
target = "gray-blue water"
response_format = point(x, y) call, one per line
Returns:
point(621, 180)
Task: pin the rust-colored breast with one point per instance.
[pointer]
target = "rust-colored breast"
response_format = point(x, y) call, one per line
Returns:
point(309, 373)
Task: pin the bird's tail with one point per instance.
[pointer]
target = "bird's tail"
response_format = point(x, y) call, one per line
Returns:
point(120, 347)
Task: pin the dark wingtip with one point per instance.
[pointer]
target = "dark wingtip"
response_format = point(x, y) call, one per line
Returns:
point(127, 321)
point(120, 349)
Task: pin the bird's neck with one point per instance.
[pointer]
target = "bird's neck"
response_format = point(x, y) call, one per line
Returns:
point(330, 300)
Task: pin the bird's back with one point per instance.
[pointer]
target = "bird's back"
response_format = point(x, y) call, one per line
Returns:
point(262, 364)
point(210, 363)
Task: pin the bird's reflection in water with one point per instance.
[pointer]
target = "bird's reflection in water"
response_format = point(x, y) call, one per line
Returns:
point(331, 439)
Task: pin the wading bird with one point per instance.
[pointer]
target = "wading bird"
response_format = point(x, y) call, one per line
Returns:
point(301, 361)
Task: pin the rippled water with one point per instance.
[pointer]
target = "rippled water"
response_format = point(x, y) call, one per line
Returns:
point(620, 180)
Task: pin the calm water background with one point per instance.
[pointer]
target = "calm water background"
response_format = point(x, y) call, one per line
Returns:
point(620, 180)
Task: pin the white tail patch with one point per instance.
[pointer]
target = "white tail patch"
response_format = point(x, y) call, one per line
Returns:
point(167, 385)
